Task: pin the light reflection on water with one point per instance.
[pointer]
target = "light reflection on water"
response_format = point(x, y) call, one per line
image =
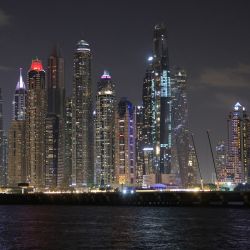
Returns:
point(81, 227)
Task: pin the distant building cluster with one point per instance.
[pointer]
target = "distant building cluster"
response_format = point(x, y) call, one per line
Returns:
point(58, 143)
point(233, 156)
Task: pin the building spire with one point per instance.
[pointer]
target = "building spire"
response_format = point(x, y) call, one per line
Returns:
point(106, 75)
point(20, 84)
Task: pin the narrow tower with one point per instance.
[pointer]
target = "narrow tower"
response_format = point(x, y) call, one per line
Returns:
point(157, 109)
point(54, 136)
point(82, 122)
point(17, 172)
point(238, 165)
point(125, 131)
point(2, 145)
point(36, 109)
point(105, 131)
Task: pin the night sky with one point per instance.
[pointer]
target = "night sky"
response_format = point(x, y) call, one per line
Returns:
point(210, 39)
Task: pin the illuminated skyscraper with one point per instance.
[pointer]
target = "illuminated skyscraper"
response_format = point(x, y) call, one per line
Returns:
point(181, 134)
point(36, 109)
point(157, 108)
point(68, 142)
point(192, 169)
point(82, 122)
point(125, 132)
point(148, 111)
point(2, 144)
point(55, 136)
point(140, 171)
point(51, 150)
point(105, 131)
point(238, 167)
point(221, 162)
point(16, 137)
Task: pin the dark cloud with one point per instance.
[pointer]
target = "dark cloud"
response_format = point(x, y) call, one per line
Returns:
point(4, 18)
point(236, 77)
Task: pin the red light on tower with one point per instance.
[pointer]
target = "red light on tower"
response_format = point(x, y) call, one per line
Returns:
point(36, 65)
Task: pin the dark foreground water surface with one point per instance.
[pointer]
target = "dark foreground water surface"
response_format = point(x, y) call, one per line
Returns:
point(80, 227)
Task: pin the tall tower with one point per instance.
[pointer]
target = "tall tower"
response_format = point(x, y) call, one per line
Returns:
point(104, 130)
point(82, 122)
point(125, 132)
point(162, 102)
point(221, 161)
point(55, 138)
point(68, 142)
point(157, 108)
point(181, 134)
point(2, 165)
point(238, 166)
point(149, 118)
point(140, 170)
point(17, 171)
point(56, 86)
point(36, 109)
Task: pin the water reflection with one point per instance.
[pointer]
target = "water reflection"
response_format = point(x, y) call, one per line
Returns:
point(79, 227)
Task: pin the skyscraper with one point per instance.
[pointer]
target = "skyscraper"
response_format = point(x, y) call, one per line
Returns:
point(125, 133)
point(2, 166)
point(157, 107)
point(140, 170)
point(17, 172)
point(192, 169)
point(36, 109)
point(68, 142)
point(221, 161)
point(56, 86)
point(238, 166)
point(148, 114)
point(105, 131)
point(180, 130)
point(51, 151)
point(82, 122)
point(55, 136)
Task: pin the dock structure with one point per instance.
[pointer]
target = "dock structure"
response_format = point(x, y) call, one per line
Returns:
point(158, 199)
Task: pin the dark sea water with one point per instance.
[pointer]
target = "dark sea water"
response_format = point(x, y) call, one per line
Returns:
point(81, 227)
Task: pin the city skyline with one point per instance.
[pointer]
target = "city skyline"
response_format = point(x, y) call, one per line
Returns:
point(224, 67)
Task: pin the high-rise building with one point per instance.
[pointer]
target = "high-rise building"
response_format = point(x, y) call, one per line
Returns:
point(2, 166)
point(192, 170)
point(51, 151)
point(148, 110)
point(140, 171)
point(55, 121)
point(68, 142)
point(157, 108)
point(36, 109)
point(105, 131)
point(238, 166)
point(55, 83)
point(5, 160)
point(125, 133)
point(180, 130)
point(82, 122)
point(17, 172)
point(221, 161)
